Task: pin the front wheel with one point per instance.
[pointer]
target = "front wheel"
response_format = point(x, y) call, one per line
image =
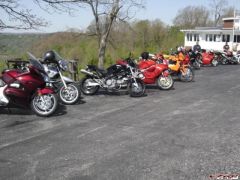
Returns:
point(87, 88)
point(44, 105)
point(187, 75)
point(165, 83)
point(197, 64)
point(136, 89)
point(70, 94)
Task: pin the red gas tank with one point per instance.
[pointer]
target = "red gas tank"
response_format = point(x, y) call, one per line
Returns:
point(146, 64)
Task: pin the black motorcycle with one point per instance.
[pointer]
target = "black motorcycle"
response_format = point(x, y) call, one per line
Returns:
point(195, 59)
point(116, 78)
point(227, 57)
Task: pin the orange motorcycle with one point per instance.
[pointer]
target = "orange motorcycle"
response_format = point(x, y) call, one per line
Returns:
point(179, 67)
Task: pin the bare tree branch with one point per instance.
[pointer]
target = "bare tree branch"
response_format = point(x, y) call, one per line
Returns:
point(218, 9)
point(17, 17)
point(105, 14)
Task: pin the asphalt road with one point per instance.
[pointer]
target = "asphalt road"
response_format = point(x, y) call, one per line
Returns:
point(188, 133)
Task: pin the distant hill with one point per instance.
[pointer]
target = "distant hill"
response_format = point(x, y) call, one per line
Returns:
point(17, 44)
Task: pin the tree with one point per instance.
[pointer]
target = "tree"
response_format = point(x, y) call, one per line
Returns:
point(228, 12)
point(13, 16)
point(105, 13)
point(192, 16)
point(217, 7)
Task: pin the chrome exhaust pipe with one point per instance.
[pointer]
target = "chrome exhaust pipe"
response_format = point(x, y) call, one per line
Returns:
point(87, 72)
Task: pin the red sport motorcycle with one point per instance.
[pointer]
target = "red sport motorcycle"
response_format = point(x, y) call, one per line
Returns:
point(154, 71)
point(209, 58)
point(28, 88)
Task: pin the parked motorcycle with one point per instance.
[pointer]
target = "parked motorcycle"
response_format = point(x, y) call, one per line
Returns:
point(68, 91)
point(237, 56)
point(156, 72)
point(226, 57)
point(28, 88)
point(194, 59)
point(209, 58)
point(177, 68)
point(116, 78)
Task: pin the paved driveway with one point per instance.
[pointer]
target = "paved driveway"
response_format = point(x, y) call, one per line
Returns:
point(190, 132)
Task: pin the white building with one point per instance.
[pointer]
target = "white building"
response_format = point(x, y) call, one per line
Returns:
point(215, 37)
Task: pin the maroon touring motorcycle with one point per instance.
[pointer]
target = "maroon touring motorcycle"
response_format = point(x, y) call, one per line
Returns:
point(30, 88)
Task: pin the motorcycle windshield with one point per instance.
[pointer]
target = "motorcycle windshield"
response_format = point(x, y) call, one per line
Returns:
point(62, 63)
point(35, 62)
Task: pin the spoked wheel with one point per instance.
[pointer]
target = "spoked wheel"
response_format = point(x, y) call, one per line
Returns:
point(44, 105)
point(187, 75)
point(70, 94)
point(136, 89)
point(214, 62)
point(165, 83)
point(86, 88)
point(238, 60)
point(196, 64)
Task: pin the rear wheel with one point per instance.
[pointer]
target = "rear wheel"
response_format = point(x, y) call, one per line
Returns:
point(165, 83)
point(86, 88)
point(44, 105)
point(70, 94)
point(214, 62)
point(136, 89)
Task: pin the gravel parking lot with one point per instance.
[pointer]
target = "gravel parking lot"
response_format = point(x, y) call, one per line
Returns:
point(189, 132)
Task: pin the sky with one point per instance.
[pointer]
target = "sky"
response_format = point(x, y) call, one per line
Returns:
point(165, 10)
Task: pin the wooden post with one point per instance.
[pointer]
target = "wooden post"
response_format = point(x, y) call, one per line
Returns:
point(73, 69)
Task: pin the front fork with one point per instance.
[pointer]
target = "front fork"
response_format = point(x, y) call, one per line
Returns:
point(134, 79)
point(61, 76)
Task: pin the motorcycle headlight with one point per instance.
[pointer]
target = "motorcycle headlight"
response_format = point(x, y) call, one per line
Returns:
point(141, 76)
point(45, 77)
point(63, 65)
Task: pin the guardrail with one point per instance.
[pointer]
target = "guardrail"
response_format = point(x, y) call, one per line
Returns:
point(19, 62)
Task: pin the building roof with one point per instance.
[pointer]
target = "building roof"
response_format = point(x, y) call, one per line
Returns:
point(231, 18)
point(209, 29)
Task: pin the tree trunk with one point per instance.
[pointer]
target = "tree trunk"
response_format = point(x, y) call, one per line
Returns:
point(101, 52)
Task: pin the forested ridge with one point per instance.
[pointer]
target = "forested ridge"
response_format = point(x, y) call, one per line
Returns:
point(153, 36)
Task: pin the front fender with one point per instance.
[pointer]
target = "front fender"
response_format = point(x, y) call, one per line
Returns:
point(46, 90)
point(166, 73)
point(67, 79)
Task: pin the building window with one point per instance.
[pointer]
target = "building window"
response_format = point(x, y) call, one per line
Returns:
point(192, 37)
point(236, 38)
point(189, 37)
point(209, 37)
point(216, 37)
point(225, 37)
point(196, 37)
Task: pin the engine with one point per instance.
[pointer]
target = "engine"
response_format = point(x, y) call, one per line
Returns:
point(116, 82)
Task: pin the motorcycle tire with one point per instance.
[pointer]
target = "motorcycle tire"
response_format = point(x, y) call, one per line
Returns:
point(189, 77)
point(238, 60)
point(44, 105)
point(136, 91)
point(86, 89)
point(235, 60)
point(214, 62)
point(165, 83)
point(69, 95)
point(196, 65)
